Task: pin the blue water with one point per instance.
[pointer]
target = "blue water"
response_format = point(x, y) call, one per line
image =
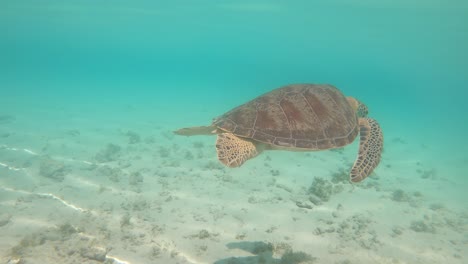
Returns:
point(409, 55)
point(118, 64)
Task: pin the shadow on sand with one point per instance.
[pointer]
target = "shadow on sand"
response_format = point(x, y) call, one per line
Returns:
point(263, 253)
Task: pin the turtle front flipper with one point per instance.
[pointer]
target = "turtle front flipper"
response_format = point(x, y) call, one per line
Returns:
point(370, 149)
point(234, 151)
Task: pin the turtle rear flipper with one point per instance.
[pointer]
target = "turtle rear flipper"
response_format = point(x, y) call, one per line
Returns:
point(370, 149)
point(195, 131)
point(234, 151)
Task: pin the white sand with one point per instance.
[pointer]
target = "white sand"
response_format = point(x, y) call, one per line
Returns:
point(166, 199)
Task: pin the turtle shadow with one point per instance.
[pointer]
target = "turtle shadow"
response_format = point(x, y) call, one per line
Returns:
point(6, 119)
point(263, 253)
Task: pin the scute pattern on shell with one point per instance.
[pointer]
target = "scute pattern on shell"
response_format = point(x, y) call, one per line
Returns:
point(303, 116)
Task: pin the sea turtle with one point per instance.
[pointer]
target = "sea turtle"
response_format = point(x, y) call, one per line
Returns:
point(297, 117)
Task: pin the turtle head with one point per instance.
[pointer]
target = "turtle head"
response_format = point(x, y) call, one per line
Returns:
point(360, 108)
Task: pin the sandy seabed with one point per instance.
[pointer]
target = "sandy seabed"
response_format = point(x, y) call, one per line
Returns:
point(93, 193)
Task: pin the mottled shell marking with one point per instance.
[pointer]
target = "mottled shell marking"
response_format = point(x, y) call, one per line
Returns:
point(303, 116)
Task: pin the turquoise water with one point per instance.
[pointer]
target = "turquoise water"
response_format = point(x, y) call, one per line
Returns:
point(77, 75)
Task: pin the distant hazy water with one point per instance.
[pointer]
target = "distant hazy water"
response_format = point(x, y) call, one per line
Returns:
point(406, 59)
